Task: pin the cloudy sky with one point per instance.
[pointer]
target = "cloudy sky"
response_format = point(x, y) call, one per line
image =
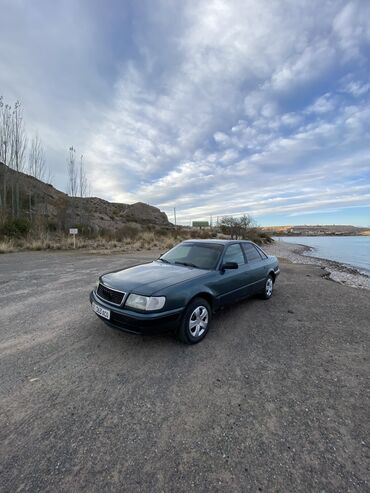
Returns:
point(213, 107)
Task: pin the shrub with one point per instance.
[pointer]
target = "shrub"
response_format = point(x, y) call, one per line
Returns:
point(52, 227)
point(129, 230)
point(201, 234)
point(162, 231)
point(16, 228)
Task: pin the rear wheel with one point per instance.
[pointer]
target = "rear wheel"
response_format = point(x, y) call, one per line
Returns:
point(195, 322)
point(268, 288)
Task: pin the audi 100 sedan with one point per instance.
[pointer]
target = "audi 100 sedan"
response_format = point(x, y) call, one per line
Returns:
point(182, 289)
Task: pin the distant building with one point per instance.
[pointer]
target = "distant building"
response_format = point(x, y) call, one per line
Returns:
point(200, 224)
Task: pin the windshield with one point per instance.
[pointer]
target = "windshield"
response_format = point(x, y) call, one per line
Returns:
point(202, 256)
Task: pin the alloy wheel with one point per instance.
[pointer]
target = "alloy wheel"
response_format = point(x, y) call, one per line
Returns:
point(269, 286)
point(198, 321)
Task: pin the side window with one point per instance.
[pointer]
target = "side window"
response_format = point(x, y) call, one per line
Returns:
point(234, 254)
point(251, 252)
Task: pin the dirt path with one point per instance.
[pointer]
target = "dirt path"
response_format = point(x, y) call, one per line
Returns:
point(276, 398)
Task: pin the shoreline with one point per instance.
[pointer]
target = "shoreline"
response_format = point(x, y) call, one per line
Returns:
point(335, 271)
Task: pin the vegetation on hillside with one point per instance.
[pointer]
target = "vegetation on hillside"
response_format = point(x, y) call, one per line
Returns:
point(15, 236)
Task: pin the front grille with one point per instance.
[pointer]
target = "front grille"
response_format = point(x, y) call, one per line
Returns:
point(110, 295)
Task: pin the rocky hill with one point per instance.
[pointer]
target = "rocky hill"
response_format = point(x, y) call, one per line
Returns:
point(42, 200)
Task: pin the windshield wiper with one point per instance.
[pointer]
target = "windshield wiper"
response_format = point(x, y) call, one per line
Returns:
point(187, 264)
point(163, 260)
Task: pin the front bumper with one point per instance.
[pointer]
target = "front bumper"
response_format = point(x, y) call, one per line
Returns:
point(139, 323)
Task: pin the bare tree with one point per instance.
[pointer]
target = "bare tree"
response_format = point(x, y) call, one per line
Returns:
point(36, 167)
point(36, 160)
point(237, 227)
point(49, 176)
point(246, 224)
point(6, 148)
point(13, 145)
point(19, 144)
point(19, 137)
point(83, 178)
point(83, 192)
point(72, 172)
point(72, 180)
point(229, 225)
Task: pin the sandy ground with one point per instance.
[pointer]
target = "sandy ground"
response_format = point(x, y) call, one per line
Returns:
point(276, 398)
point(333, 270)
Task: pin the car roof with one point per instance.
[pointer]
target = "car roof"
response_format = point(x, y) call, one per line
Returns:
point(215, 240)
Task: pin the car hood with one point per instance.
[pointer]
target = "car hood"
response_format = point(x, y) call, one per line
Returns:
point(149, 278)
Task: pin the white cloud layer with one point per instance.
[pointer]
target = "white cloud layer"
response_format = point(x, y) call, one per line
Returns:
point(215, 107)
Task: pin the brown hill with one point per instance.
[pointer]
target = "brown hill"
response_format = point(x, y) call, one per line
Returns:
point(42, 201)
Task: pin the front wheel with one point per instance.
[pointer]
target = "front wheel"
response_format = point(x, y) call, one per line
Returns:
point(195, 322)
point(268, 288)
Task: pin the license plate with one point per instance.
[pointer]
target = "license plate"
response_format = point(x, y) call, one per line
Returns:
point(103, 312)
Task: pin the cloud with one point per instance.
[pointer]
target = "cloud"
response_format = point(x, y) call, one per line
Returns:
point(352, 29)
point(357, 88)
point(213, 106)
point(323, 104)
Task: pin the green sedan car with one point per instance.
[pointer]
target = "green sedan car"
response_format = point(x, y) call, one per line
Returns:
point(182, 289)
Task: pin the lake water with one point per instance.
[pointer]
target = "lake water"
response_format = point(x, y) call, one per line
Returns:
point(350, 250)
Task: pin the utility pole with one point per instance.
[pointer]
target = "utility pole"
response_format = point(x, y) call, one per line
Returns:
point(174, 214)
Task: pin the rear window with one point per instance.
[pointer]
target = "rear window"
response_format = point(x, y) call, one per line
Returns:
point(251, 252)
point(261, 252)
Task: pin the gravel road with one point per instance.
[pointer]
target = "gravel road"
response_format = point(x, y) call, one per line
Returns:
point(276, 398)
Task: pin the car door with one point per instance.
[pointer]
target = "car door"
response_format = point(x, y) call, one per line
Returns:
point(229, 285)
point(255, 268)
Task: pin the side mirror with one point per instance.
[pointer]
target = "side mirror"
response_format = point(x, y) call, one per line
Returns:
point(229, 265)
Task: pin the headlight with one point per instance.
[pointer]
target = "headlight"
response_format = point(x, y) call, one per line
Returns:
point(145, 302)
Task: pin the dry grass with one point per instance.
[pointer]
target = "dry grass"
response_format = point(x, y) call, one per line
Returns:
point(144, 241)
point(7, 246)
point(140, 241)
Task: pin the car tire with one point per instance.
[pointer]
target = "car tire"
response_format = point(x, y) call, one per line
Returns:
point(268, 288)
point(195, 322)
